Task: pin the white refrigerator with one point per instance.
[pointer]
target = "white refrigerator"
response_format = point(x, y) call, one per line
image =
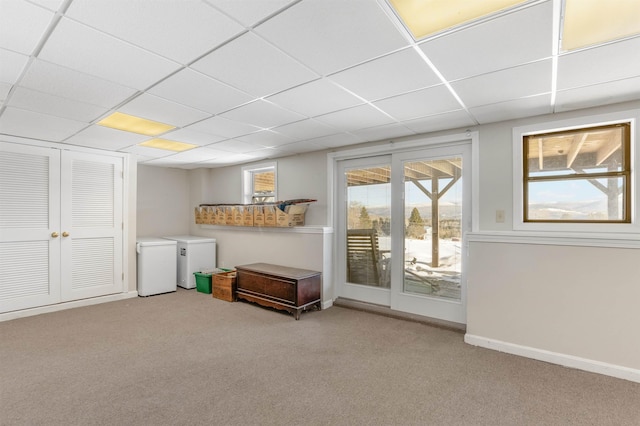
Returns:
point(156, 265)
point(194, 254)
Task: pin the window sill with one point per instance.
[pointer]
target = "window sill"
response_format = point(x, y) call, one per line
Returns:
point(629, 240)
point(291, 230)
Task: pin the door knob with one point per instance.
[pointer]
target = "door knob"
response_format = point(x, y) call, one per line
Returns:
point(55, 234)
point(65, 234)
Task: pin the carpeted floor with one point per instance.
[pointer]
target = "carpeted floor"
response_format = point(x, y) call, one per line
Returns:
point(188, 359)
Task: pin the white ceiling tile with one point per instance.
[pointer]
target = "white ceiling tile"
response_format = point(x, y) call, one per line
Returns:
point(391, 75)
point(250, 12)
point(306, 129)
point(519, 108)
point(11, 65)
point(516, 38)
point(59, 81)
point(219, 126)
point(140, 158)
point(266, 138)
point(254, 66)
point(191, 88)
point(420, 103)
point(505, 85)
point(236, 146)
point(329, 36)
point(105, 138)
point(31, 124)
point(224, 161)
point(22, 25)
point(266, 153)
point(53, 5)
point(178, 30)
point(198, 154)
point(300, 147)
point(168, 162)
point(602, 64)
point(192, 137)
point(262, 114)
point(81, 48)
point(54, 105)
point(326, 96)
point(388, 131)
point(338, 140)
point(598, 94)
point(355, 118)
point(144, 153)
point(4, 91)
point(433, 123)
point(158, 109)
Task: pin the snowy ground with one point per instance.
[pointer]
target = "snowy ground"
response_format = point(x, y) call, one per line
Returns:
point(420, 277)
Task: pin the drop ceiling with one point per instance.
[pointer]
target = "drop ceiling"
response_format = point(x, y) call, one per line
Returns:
point(247, 80)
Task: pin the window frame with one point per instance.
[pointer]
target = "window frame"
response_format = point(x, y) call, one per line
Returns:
point(625, 174)
point(589, 122)
point(248, 172)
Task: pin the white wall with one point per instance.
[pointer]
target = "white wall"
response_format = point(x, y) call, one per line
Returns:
point(570, 301)
point(163, 201)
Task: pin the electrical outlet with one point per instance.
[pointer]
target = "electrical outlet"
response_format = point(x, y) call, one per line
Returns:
point(499, 216)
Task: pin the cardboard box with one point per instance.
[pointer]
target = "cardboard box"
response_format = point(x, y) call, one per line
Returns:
point(238, 212)
point(220, 216)
point(270, 216)
point(228, 215)
point(198, 215)
point(211, 215)
point(258, 215)
point(292, 216)
point(247, 216)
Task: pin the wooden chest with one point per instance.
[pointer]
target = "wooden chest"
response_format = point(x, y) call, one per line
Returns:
point(281, 287)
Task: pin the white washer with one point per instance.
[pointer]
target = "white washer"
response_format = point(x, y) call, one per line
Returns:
point(194, 254)
point(156, 265)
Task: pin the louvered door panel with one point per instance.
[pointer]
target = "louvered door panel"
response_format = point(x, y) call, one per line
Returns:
point(92, 217)
point(29, 214)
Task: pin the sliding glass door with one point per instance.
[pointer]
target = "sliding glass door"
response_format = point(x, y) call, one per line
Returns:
point(365, 222)
point(402, 219)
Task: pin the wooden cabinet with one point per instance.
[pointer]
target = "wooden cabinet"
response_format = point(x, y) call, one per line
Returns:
point(280, 287)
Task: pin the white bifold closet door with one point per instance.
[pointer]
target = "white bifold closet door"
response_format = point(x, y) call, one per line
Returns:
point(60, 226)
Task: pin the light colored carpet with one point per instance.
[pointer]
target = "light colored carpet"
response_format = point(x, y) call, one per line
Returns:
point(188, 359)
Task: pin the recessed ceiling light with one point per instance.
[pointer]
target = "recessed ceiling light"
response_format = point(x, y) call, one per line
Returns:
point(589, 22)
point(131, 123)
point(167, 145)
point(425, 17)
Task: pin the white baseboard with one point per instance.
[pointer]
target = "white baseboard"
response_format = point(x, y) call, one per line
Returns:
point(66, 305)
point(327, 304)
point(565, 360)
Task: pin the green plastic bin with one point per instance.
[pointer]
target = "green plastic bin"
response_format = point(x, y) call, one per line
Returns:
point(203, 282)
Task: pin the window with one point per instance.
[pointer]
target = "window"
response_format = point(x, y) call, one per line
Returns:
point(259, 183)
point(578, 175)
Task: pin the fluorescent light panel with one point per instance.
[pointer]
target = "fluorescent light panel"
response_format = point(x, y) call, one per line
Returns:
point(589, 22)
point(426, 17)
point(131, 123)
point(167, 145)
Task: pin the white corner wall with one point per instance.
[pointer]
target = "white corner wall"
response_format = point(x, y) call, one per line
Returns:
point(565, 298)
point(163, 201)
